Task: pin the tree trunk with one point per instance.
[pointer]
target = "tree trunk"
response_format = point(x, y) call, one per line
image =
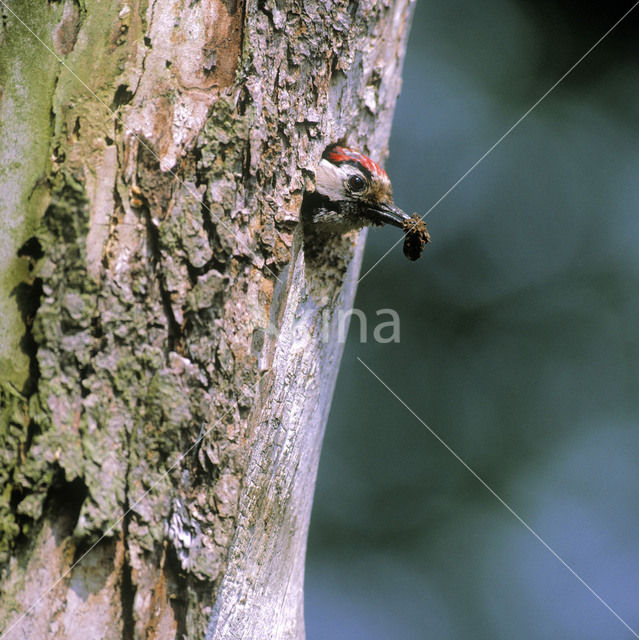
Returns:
point(169, 338)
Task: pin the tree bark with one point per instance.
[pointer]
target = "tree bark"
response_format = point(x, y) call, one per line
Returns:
point(169, 346)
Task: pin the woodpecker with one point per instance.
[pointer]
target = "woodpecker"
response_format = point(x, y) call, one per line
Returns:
point(352, 192)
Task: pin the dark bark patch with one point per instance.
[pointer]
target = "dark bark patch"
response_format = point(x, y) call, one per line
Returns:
point(68, 498)
point(28, 296)
point(123, 95)
point(174, 582)
point(127, 589)
point(156, 185)
point(32, 248)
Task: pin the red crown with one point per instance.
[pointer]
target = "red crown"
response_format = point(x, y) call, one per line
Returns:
point(344, 154)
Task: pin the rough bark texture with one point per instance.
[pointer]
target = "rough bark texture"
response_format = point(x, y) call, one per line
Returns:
point(159, 296)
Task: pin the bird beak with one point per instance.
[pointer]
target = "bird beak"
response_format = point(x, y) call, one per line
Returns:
point(388, 213)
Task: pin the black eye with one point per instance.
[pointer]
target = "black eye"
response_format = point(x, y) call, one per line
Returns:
point(356, 183)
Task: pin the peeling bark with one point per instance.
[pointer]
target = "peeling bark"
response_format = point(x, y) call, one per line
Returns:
point(169, 303)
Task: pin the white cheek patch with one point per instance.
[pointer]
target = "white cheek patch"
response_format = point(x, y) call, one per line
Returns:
point(329, 180)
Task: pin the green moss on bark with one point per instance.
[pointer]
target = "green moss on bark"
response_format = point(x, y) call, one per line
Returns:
point(28, 74)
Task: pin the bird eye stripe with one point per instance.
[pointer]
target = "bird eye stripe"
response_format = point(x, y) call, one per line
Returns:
point(344, 154)
point(360, 170)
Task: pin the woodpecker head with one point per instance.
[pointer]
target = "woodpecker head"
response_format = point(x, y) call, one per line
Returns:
point(353, 192)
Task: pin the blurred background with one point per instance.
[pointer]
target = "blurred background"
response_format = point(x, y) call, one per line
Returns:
point(519, 345)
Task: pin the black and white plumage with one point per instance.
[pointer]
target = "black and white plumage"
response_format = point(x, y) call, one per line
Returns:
point(351, 192)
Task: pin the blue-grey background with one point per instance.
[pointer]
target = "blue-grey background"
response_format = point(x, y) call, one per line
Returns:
point(519, 345)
